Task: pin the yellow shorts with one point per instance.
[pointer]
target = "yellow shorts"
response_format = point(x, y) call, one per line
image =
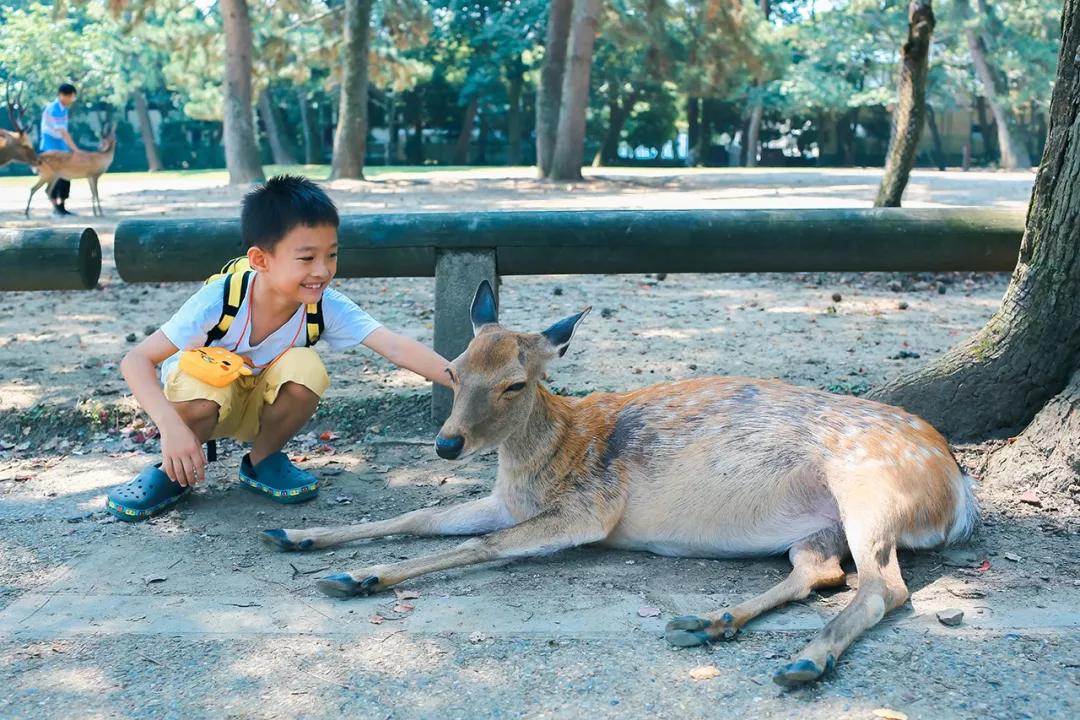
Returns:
point(241, 401)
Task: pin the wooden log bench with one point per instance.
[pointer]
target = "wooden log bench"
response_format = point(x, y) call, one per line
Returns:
point(49, 259)
point(462, 248)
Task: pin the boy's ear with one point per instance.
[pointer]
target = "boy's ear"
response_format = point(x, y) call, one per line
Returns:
point(484, 310)
point(257, 257)
point(560, 334)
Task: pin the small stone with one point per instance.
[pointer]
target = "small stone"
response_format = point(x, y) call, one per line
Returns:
point(837, 297)
point(557, 291)
point(132, 337)
point(903, 305)
point(895, 286)
point(1013, 557)
point(1030, 498)
point(661, 276)
point(941, 289)
point(606, 313)
point(951, 617)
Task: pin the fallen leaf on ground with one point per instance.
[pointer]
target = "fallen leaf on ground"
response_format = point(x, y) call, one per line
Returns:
point(328, 436)
point(984, 566)
point(890, 714)
point(648, 612)
point(404, 608)
point(705, 672)
point(1031, 498)
point(154, 579)
point(376, 619)
point(1013, 556)
point(406, 594)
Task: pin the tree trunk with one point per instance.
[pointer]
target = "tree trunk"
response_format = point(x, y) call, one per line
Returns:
point(146, 130)
point(693, 130)
point(482, 138)
point(279, 146)
point(570, 140)
point(618, 113)
point(549, 94)
point(241, 150)
point(391, 126)
point(513, 119)
point(753, 133)
point(990, 150)
point(705, 137)
point(309, 124)
point(910, 113)
point(935, 136)
point(464, 138)
point(350, 139)
point(998, 379)
point(1013, 155)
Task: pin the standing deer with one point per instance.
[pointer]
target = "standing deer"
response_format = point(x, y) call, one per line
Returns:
point(16, 146)
point(54, 165)
point(719, 467)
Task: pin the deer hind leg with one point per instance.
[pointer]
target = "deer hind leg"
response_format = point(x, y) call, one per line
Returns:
point(815, 563)
point(548, 532)
point(33, 190)
point(95, 201)
point(881, 589)
point(471, 518)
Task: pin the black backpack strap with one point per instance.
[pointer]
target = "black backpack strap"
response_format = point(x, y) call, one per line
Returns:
point(236, 285)
point(315, 323)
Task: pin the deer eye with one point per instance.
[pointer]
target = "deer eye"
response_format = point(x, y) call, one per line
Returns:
point(514, 388)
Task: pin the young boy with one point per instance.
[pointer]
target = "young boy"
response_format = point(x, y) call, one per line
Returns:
point(289, 227)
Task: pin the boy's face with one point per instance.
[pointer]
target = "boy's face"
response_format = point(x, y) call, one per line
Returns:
point(67, 100)
point(301, 265)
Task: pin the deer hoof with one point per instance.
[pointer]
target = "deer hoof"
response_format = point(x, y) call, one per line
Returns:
point(280, 539)
point(688, 631)
point(345, 585)
point(801, 672)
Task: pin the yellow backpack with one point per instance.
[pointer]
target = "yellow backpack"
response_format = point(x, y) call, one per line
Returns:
point(238, 273)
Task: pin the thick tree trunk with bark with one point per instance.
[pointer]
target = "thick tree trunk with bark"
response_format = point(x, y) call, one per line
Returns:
point(153, 159)
point(1013, 154)
point(310, 126)
point(910, 113)
point(241, 150)
point(464, 138)
point(935, 136)
point(998, 380)
point(570, 140)
point(350, 138)
point(753, 133)
point(279, 145)
point(549, 94)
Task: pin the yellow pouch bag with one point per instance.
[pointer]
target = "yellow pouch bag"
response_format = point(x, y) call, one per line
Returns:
point(215, 366)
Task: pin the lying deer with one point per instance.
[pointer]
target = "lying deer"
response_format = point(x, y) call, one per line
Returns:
point(718, 467)
point(16, 146)
point(55, 165)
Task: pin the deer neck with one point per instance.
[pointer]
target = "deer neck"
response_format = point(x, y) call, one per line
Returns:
point(533, 447)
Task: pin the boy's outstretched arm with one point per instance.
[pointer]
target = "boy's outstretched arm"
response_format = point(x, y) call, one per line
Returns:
point(409, 354)
point(182, 456)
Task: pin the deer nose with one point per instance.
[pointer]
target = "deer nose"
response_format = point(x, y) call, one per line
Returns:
point(449, 448)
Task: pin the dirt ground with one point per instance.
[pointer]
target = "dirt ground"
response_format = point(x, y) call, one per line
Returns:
point(189, 616)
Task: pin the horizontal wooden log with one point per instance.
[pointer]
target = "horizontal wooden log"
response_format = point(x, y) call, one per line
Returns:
point(49, 259)
point(616, 241)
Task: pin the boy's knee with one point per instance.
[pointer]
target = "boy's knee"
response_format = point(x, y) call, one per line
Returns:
point(197, 411)
point(300, 367)
point(295, 392)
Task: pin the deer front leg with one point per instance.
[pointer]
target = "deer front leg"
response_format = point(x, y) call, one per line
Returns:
point(548, 532)
point(475, 517)
point(33, 190)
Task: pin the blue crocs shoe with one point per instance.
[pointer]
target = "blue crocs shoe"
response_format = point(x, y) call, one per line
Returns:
point(150, 493)
point(279, 479)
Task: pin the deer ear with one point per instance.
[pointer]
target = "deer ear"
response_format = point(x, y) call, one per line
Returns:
point(484, 310)
point(560, 334)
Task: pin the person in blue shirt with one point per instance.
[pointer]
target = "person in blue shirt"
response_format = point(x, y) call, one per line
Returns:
point(55, 137)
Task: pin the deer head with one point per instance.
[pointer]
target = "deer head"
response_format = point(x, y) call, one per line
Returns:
point(495, 379)
point(16, 146)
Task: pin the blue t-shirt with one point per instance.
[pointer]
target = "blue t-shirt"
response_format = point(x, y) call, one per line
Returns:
point(53, 119)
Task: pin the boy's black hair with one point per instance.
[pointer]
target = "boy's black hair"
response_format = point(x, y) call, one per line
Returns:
point(66, 89)
point(270, 211)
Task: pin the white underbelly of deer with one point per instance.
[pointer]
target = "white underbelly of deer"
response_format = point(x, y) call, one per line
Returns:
point(704, 508)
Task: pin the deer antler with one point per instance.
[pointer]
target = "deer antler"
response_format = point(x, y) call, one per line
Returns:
point(16, 119)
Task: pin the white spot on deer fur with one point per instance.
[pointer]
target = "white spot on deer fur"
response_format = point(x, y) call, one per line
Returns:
point(914, 423)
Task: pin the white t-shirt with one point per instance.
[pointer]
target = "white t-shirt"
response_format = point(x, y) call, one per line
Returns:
point(345, 325)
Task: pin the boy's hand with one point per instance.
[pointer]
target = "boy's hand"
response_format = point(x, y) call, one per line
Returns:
point(182, 456)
